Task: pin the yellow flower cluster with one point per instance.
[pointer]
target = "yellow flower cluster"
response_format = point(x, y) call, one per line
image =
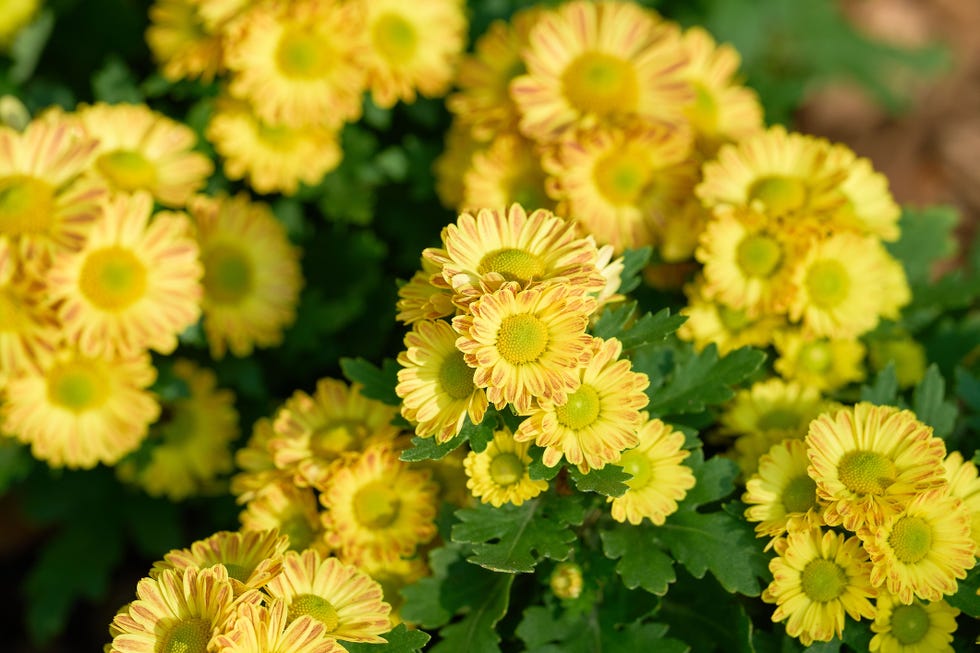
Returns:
point(295, 71)
point(867, 506)
point(244, 592)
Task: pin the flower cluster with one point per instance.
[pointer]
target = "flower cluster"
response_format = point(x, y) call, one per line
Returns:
point(243, 592)
point(295, 72)
point(867, 506)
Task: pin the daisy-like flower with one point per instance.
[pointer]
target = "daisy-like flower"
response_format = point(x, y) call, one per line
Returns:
point(599, 63)
point(135, 284)
point(340, 596)
point(456, 158)
point(599, 419)
point(527, 344)
point(822, 363)
point(499, 474)
point(258, 469)
point(78, 410)
point(817, 577)
point(435, 383)
point(420, 299)
point(870, 461)
point(868, 206)
point(270, 157)
point(313, 434)
point(964, 484)
point(379, 507)
point(919, 627)
point(413, 49)
point(508, 171)
point(298, 64)
point(781, 496)
point(188, 449)
point(262, 629)
point(141, 149)
point(659, 479)
point(252, 276)
point(289, 509)
point(15, 15)
point(922, 550)
point(182, 43)
point(713, 323)
point(28, 330)
point(904, 352)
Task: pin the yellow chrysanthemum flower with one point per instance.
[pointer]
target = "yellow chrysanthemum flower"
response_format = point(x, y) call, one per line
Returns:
point(420, 299)
point(868, 206)
point(599, 63)
point(314, 434)
point(817, 577)
point(78, 411)
point(270, 157)
point(527, 344)
point(298, 63)
point(435, 383)
point(135, 284)
point(781, 496)
point(450, 166)
point(919, 627)
point(289, 509)
point(599, 419)
point(659, 480)
point(499, 474)
point(28, 328)
point(191, 446)
point(711, 322)
point(870, 461)
point(141, 149)
point(922, 550)
point(964, 484)
point(258, 469)
point(822, 363)
point(272, 629)
point(566, 580)
point(182, 42)
point(904, 352)
point(340, 596)
point(15, 14)
point(508, 171)
point(379, 507)
point(252, 275)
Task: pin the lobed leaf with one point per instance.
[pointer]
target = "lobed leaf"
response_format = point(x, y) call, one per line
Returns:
point(930, 405)
point(641, 563)
point(376, 383)
point(610, 480)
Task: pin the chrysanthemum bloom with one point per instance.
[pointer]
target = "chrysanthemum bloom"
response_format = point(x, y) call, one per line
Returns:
point(393, 575)
point(494, 246)
point(315, 433)
point(270, 157)
point(28, 329)
point(450, 166)
point(566, 580)
point(599, 63)
point(781, 496)
point(964, 484)
point(599, 419)
point(271, 629)
point(659, 480)
point(817, 577)
point(508, 171)
point(178, 611)
point(919, 627)
point(191, 446)
point(618, 182)
point(258, 469)
point(499, 474)
point(289, 509)
point(922, 550)
point(141, 149)
point(13, 16)
point(78, 411)
point(135, 284)
point(340, 596)
point(298, 64)
point(711, 322)
point(252, 558)
point(181, 41)
point(420, 299)
point(905, 353)
point(252, 275)
point(379, 507)
point(611, 270)
point(527, 344)
point(870, 461)
point(435, 383)
point(822, 363)
point(868, 206)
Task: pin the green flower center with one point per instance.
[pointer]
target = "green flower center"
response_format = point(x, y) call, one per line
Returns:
point(113, 278)
point(228, 275)
point(299, 531)
point(779, 419)
point(601, 83)
point(816, 357)
point(910, 623)
point(779, 194)
point(78, 385)
point(301, 54)
point(733, 319)
point(866, 472)
point(522, 338)
point(581, 409)
point(127, 170)
point(758, 255)
point(277, 136)
point(455, 376)
point(187, 636)
point(828, 283)
point(800, 494)
point(337, 436)
point(911, 539)
point(26, 205)
point(622, 177)
point(636, 463)
point(506, 469)
point(823, 580)
point(512, 264)
point(703, 113)
point(316, 607)
point(376, 505)
point(394, 37)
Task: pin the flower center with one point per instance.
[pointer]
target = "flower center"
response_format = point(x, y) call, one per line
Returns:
point(823, 580)
point(128, 170)
point(635, 463)
point(506, 469)
point(26, 205)
point(376, 505)
point(800, 494)
point(336, 436)
point(512, 264)
point(394, 37)
point(302, 54)
point(187, 636)
point(529, 193)
point(815, 357)
point(910, 623)
point(911, 539)
point(522, 338)
point(732, 319)
point(78, 385)
point(455, 376)
point(828, 283)
point(779, 194)
point(622, 177)
point(276, 136)
point(779, 419)
point(297, 528)
point(866, 472)
point(581, 409)
point(113, 278)
point(601, 83)
point(316, 607)
point(758, 255)
point(228, 275)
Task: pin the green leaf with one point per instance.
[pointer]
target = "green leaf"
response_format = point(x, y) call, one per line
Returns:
point(15, 462)
point(27, 47)
point(930, 405)
point(641, 563)
point(612, 321)
point(424, 601)
point(537, 470)
point(609, 481)
point(400, 640)
point(476, 632)
point(927, 237)
point(634, 260)
point(115, 83)
point(429, 449)
point(479, 435)
point(966, 597)
point(715, 479)
point(884, 390)
point(701, 613)
point(857, 635)
point(376, 383)
point(507, 538)
point(617, 322)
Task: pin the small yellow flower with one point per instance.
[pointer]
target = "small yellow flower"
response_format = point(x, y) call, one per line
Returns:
point(919, 627)
point(781, 496)
point(499, 474)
